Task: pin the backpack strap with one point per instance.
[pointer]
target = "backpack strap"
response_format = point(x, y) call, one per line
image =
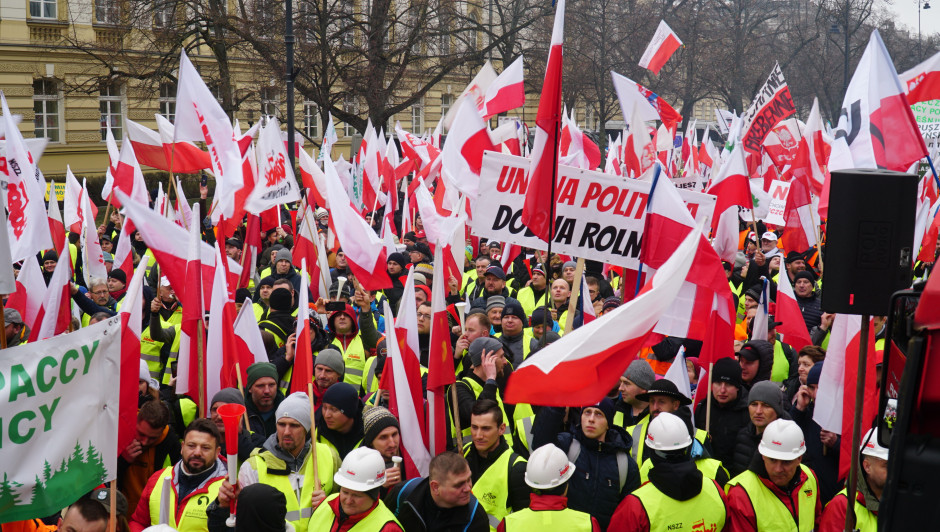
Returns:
point(623, 467)
point(473, 510)
point(405, 491)
point(574, 450)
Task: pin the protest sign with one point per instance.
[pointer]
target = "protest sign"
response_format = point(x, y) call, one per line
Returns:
point(778, 202)
point(772, 104)
point(598, 216)
point(58, 419)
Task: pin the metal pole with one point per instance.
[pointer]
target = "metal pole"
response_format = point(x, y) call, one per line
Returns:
point(289, 77)
point(852, 483)
point(845, 66)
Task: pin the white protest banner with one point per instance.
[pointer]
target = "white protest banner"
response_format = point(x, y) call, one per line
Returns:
point(778, 202)
point(772, 104)
point(927, 115)
point(58, 419)
point(598, 216)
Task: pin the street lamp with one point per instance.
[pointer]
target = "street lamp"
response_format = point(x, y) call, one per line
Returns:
point(920, 6)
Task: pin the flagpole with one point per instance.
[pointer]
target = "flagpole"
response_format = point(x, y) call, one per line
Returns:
point(547, 260)
point(458, 436)
point(649, 206)
point(3, 326)
point(708, 398)
point(313, 438)
point(851, 484)
point(934, 170)
point(575, 296)
point(241, 388)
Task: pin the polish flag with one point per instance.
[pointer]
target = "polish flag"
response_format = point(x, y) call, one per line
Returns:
point(170, 246)
point(363, 248)
point(582, 367)
point(877, 122)
point(793, 326)
point(302, 376)
point(28, 224)
point(56, 226)
point(731, 186)
point(312, 177)
point(72, 202)
point(416, 149)
point(440, 359)
point(114, 153)
point(30, 292)
point(222, 353)
point(584, 306)
point(55, 315)
point(276, 184)
point(369, 160)
point(131, 324)
point(123, 258)
point(665, 43)
point(92, 258)
point(248, 339)
point(922, 83)
point(128, 177)
point(638, 150)
point(812, 155)
point(800, 231)
point(462, 155)
point(183, 156)
point(539, 202)
point(154, 152)
point(475, 92)
point(577, 149)
point(837, 384)
point(612, 163)
point(928, 248)
point(306, 253)
point(199, 117)
point(506, 92)
point(192, 331)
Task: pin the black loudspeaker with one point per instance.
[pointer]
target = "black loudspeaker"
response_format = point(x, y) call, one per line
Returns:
point(869, 235)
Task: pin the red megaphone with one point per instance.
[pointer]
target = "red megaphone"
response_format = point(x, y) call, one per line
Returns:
point(231, 415)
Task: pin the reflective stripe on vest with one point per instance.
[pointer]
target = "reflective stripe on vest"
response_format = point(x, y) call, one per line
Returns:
point(638, 433)
point(781, 367)
point(324, 518)
point(354, 355)
point(524, 431)
point(771, 513)
point(284, 383)
point(705, 511)
point(477, 389)
point(492, 489)
point(273, 472)
point(865, 521)
point(192, 516)
point(545, 520)
point(150, 350)
point(280, 335)
point(371, 384)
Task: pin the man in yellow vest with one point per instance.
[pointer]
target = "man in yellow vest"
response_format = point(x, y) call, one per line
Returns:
point(484, 381)
point(547, 473)
point(678, 496)
point(357, 507)
point(637, 379)
point(765, 404)
point(498, 473)
point(352, 335)
point(286, 463)
point(191, 484)
point(339, 420)
point(872, 478)
point(662, 396)
point(516, 338)
point(777, 492)
point(533, 294)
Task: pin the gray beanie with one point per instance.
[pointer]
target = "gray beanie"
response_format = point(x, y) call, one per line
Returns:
point(495, 301)
point(640, 372)
point(483, 343)
point(283, 254)
point(228, 396)
point(768, 392)
point(296, 406)
point(332, 359)
point(569, 264)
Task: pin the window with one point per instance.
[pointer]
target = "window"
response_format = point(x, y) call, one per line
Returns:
point(109, 102)
point(107, 11)
point(445, 44)
point(164, 12)
point(590, 118)
point(352, 107)
point(447, 101)
point(417, 116)
point(270, 103)
point(46, 109)
point(42, 8)
point(265, 13)
point(347, 22)
point(311, 120)
point(473, 38)
point(168, 100)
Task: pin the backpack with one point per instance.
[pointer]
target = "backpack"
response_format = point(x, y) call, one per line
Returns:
point(623, 462)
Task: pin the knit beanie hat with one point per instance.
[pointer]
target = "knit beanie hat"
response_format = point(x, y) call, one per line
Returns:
point(768, 392)
point(332, 359)
point(228, 396)
point(727, 370)
point(803, 275)
point(118, 275)
point(513, 308)
point(297, 407)
point(569, 264)
point(261, 508)
point(344, 397)
point(375, 419)
point(283, 254)
point(640, 372)
point(258, 370)
point(495, 302)
point(483, 343)
point(279, 299)
point(607, 407)
point(540, 316)
point(398, 258)
point(814, 372)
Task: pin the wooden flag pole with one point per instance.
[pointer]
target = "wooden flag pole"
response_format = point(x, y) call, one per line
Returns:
point(575, 296)
point(112, 505)
point(458, 436)
point(241, 388)
point(852, 484)
point(313, 438)
point(3, 327)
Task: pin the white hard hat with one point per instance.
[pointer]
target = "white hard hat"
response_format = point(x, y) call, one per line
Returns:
point(548, 467)
point(783, 440)
point(871, 447)
point(363, 469)
point(667, 432)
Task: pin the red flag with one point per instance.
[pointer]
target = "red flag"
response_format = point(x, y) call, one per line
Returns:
point(192, 331)
point(440, 359)
point(55, 315)
point(56, 226)
point(585, 364)
point(131, 323)
point(539, 201)
point(922, 83)
point(506, 92)
point(793, 326)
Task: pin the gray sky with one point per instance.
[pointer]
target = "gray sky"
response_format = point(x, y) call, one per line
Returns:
point(906, 11)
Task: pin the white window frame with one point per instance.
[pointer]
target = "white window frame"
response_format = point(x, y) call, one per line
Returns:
point(115, 102)
point(168, 100)
point(447, 101)
point(352, 107)
point(270, 101)
point(42, 7)
point(417, 116)
point(311, 119)
point(107, 11)
point(44, 100)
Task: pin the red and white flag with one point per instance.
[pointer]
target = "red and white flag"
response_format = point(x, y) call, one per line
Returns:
point(302, 375)
point(55, 315)
point(475, 92)
point(92, 258)
point(812, 155)
point(128, 178)
point(800, 230)
point(123, 258)
point(876, 122)
point(276, 184)
point(192, 331)
point(582, 367)
point(837, 383)
point(132, 325)
point(306, 252)
point(792, 326)
point(30, 292)
point(665, 42)
point(539, 201)
point(731, 187)
point(248, 339)
point(71, 217)
point(56, 226)
point(183, 156)
point(28, 225)
point(199, 117)
point(363, 248)
point(577, 149)
point(462, 155)
point(506, 92)
point(440, 359)
point(221, 346)
point(922, 83)
point(151, 150)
